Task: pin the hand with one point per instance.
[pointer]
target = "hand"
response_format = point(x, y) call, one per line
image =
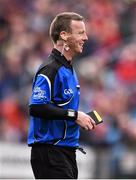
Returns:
point(85, 121)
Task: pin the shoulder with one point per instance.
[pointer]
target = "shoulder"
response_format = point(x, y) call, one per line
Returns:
point(50, 68)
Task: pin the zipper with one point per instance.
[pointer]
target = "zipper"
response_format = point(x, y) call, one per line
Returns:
point(64, 135)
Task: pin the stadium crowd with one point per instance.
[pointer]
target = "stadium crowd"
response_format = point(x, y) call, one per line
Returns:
point(106, 69)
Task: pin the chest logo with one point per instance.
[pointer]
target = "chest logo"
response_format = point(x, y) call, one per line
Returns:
point(68, 91)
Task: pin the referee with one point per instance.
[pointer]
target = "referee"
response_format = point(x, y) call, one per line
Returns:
point(54, 116)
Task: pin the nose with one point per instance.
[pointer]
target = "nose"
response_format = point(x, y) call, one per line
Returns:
point(85, 37)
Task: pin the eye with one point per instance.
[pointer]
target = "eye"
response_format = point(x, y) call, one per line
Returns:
point(81, 32)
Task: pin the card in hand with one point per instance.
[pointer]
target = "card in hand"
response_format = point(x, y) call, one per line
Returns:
point(95, 116)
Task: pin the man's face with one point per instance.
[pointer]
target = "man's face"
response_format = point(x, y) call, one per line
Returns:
point(78, 37)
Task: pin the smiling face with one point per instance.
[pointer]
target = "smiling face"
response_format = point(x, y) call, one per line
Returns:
point(77, 37)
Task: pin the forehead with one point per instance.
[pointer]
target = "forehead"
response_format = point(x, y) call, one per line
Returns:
point(77, 25)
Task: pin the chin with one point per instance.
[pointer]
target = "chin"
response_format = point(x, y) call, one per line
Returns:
point(80, 51)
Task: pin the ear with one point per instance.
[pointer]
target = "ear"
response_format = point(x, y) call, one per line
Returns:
point(64, 35)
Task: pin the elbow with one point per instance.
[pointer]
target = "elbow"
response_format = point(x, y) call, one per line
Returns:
point(32, 110)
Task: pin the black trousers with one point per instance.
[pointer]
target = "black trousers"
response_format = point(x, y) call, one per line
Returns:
point(53, 162)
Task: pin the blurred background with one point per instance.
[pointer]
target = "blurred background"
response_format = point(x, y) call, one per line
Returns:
point(107, 74)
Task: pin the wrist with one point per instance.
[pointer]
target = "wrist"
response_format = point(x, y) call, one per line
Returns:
point(72, 114)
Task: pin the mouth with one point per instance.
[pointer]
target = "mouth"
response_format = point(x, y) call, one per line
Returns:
point(81, 45)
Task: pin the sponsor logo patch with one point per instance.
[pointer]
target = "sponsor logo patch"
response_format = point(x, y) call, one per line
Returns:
point(38, 93)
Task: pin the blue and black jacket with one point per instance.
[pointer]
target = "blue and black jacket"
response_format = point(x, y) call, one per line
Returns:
point(55, 90)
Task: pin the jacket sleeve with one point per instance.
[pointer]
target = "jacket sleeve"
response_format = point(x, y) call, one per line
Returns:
point(49, 112)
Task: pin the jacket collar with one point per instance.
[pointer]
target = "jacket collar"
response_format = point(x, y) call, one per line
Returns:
point(61, 58)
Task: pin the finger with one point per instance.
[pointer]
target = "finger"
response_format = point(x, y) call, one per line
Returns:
point(85, 128)
point(93, 124)
point(90, 126)
point(92, 121)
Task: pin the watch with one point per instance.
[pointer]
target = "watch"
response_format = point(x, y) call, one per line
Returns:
point(72, 114)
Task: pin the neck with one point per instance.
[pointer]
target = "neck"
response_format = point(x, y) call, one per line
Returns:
point(60, 47)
